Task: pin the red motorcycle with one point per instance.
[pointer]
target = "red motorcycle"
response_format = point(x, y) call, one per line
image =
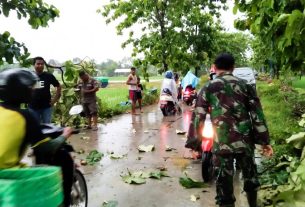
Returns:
point(206, 146)
point(189, 95)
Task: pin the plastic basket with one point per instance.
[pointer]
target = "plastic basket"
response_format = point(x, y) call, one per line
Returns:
point(103, 81)
point(37, 186)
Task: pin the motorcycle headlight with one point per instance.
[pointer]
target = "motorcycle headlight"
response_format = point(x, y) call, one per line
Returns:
point(208, 131)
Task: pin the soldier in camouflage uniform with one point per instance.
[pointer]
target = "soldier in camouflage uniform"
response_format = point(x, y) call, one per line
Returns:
point(239, 123)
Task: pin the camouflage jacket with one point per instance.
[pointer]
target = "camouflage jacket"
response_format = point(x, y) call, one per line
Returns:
point(236, 114)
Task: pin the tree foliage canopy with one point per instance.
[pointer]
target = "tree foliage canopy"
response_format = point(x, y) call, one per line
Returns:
point(280, 27)
point(176, 34)
point(238, 44)
point(38, 14)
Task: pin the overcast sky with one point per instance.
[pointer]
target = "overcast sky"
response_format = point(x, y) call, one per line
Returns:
point(78, 32)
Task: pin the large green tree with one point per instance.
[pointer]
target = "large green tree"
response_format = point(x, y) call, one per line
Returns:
point(280, 25)
point(38, 14)
point(171, 30)
point(237, 43)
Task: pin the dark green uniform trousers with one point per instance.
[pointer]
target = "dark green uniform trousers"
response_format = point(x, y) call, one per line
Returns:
point(224, 166)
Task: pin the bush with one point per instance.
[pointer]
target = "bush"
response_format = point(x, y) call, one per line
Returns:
point(203, 80)
point(282, 109)
point(106, 111)
point(149, 98)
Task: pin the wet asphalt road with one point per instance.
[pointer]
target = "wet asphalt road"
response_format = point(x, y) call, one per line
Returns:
point(121, 135)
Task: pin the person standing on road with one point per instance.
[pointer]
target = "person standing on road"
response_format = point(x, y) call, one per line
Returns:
point(239, 124)
point(139, 93)
point(42, 102)
point(132, 81)
point(179, 87)
point(88, 87)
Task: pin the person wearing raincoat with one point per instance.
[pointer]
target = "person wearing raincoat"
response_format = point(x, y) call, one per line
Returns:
point(170, 84)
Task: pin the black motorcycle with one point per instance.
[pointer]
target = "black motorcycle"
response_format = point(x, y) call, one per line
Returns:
point(79, 192)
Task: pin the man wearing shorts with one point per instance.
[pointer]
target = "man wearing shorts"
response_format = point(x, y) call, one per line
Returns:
point(132, 81)
point(88, 88)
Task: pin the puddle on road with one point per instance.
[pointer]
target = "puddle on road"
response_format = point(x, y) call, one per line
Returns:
point(181, 162)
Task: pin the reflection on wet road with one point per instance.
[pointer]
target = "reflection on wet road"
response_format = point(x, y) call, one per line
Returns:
point(122, 135)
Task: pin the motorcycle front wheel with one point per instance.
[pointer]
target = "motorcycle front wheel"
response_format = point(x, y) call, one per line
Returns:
point(79, 193)
point(164, 111)
point(207, 166)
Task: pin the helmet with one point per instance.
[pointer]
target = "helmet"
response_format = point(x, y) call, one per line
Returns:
point(16, 85)
point(169, 74)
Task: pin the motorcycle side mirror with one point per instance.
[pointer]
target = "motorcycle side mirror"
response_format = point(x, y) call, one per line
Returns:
point(75, 110)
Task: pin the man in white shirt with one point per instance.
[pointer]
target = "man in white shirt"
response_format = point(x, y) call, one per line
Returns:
point(132, 81)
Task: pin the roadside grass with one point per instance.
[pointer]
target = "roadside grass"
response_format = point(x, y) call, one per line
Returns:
point(114, 98)
point(115, 93)
point(278, 110)
point(299, 83)
point(124, 78)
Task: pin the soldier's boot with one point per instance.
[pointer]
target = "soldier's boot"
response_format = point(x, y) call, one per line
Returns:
point(252, 198)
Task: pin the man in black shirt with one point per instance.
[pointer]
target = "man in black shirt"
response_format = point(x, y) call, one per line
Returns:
point(42, 101)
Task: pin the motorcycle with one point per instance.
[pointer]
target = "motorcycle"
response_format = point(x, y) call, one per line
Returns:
point(206, 146)
point(79, 192)
point(167, 103)
point(189, 95)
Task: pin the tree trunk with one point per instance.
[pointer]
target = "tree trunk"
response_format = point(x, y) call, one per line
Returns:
point(197, 68)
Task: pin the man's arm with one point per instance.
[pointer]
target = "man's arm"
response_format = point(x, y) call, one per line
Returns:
point(39, 142)
point(260, 130)
point(94, 89)
point(57, 85)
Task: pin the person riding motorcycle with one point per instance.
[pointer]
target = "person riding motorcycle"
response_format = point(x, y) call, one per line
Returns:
point(178, 85)
point(19, 128)
point(169, 83)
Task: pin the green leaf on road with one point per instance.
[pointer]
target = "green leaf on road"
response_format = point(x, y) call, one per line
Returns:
point(188, 182)
point(94, 157)
point(158, 175)
point(110, 204)
point(134, 178)
point(148, 148)
point(139, 177)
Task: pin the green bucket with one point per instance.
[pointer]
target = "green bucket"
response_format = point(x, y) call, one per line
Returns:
point(35, 187)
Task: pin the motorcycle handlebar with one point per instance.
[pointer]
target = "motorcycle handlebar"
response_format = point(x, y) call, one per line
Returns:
point(53, 131)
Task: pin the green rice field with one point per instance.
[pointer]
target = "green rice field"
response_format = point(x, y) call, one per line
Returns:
point(115, 93)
